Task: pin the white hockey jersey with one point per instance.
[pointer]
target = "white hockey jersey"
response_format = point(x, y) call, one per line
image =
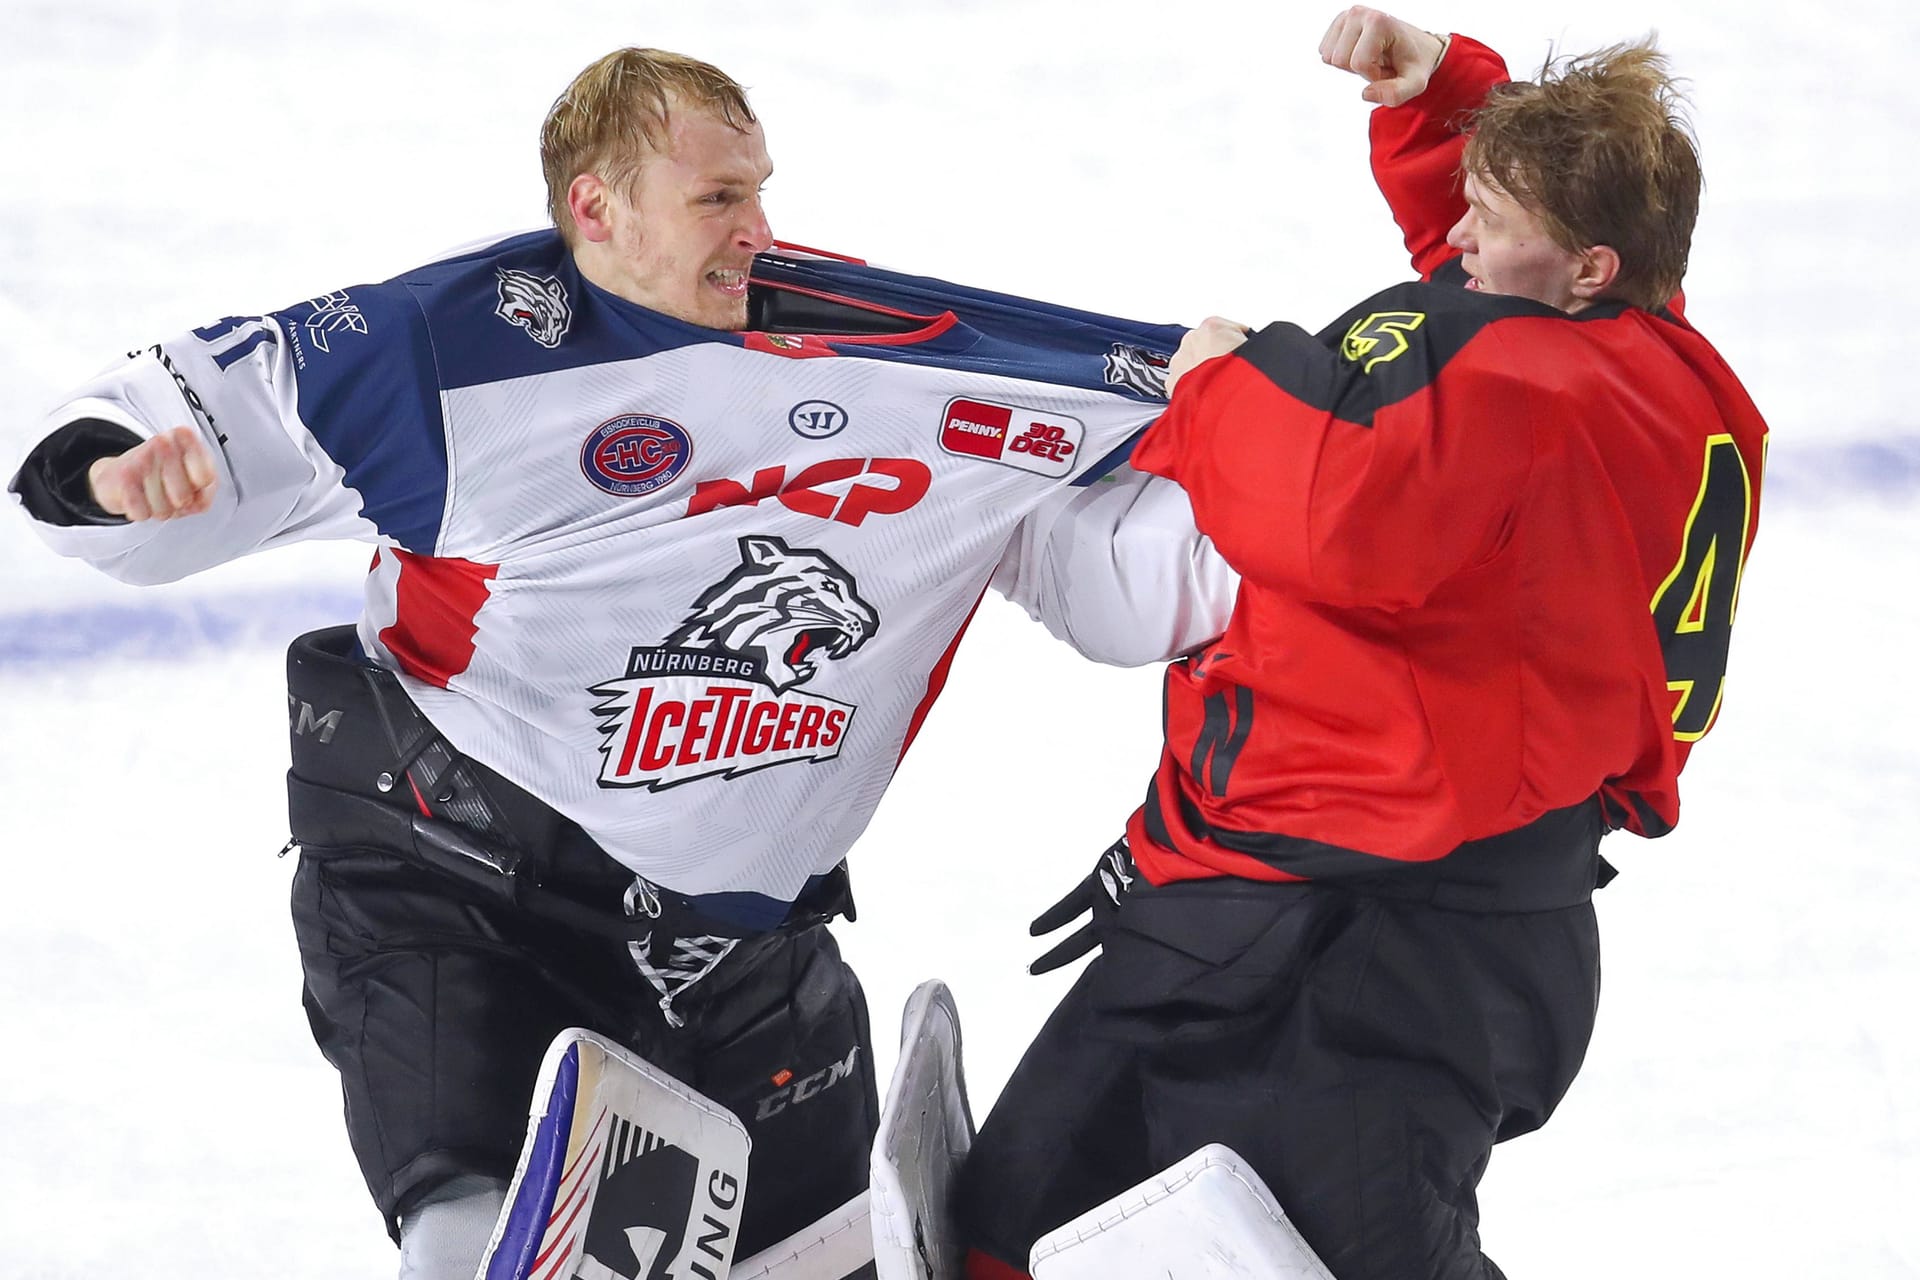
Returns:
point(694, 589)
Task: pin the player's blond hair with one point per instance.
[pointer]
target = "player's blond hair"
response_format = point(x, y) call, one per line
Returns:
point(614, 115)
point(1600, 149)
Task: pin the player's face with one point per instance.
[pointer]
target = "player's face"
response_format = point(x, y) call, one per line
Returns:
point(1507, 249)
point(684, 243)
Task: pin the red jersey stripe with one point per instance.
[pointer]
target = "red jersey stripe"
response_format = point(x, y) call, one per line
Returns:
point(437, 602)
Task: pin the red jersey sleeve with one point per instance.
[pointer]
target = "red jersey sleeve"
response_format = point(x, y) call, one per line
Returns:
point(1417, 148)
point(1362, 467)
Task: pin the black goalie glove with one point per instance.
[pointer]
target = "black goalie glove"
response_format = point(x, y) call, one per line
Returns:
point(1099, 894)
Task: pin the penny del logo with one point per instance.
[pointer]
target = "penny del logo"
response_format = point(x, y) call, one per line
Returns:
point(1028, 439)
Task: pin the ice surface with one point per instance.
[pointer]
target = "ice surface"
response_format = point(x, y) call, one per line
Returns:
point(1749, 1104)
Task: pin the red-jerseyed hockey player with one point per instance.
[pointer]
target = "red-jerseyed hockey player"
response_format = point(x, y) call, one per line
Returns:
point(1491, 528)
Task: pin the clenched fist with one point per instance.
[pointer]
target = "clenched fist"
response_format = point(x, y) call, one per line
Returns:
point(167, 476)
point(1396, 58)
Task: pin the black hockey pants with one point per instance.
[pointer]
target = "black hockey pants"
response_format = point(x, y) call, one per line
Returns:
point(443, 951)
point(1363, 1051)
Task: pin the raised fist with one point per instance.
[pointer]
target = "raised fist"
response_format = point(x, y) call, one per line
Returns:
point(1396, 58)
point(169, 475)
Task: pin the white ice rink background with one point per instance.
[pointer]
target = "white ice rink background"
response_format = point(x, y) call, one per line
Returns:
point(1749, 1106)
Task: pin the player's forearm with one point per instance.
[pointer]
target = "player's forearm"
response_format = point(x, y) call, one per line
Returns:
point(1416, 149)
point(1119, 571)
point(116, 412)
point(261, 485)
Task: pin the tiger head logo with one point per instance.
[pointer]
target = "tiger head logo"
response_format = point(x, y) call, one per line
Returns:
point(792, 608)
point(1138, 370)
point(537, 304)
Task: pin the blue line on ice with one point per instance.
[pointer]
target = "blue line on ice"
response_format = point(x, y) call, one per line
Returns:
point(185, 629)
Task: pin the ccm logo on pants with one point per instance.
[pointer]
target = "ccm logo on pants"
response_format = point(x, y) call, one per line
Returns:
point(800, 1090)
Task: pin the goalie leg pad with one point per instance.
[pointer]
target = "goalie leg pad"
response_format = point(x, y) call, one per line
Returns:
point(926, 1130)
point(1208, 1217)
point(626, 1174)
point(630, 1174)
point(838, 1247)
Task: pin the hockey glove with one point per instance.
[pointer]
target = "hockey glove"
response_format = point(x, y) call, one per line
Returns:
point(1099, 894)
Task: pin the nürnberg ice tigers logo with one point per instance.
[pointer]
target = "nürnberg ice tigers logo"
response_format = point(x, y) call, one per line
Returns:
point(789, 608)
point(1138, 370)
point(537, 304)
point(722, 695)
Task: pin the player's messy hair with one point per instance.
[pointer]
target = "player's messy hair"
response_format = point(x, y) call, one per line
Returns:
point(615, 113)
point(1600, 149)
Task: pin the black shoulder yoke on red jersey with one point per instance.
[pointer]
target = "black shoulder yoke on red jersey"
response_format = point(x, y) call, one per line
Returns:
point(1391, 346)
point(1381, 352)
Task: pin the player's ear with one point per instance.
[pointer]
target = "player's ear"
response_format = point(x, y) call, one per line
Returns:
point(590, 202)
point(1597, 269)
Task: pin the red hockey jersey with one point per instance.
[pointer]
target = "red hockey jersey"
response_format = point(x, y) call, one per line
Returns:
point(1491, 556)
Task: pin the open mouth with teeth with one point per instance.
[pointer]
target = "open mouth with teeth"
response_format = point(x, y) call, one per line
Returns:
point(731, 281)
point(838, 644)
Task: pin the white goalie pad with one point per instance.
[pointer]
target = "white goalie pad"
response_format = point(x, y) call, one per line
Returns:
point(1207, 1218)
point(837, 1247)
point(626, 1174)
point(926, 1130)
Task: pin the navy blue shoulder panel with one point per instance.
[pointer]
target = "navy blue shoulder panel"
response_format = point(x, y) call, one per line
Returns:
point(520, 307)
point(997, 332)
point(370, 394)
point(372, 360)
point(1001, 334)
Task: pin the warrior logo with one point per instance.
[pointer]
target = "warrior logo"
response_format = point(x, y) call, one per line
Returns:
point(1138, 370)
point(817, 419)
point(537, 304)
point(720, 695)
